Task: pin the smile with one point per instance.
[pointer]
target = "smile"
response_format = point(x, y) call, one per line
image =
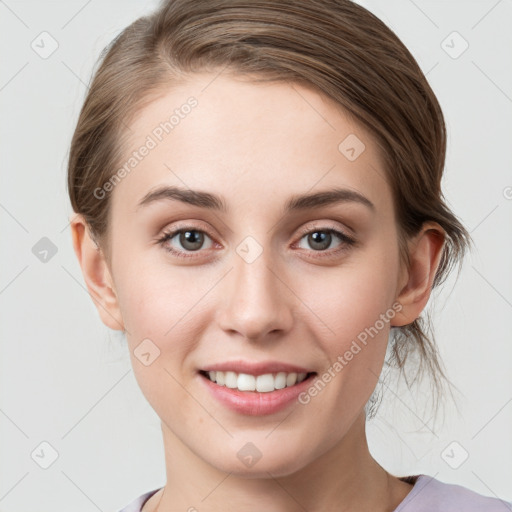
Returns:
point(264, 383)
point(255, 394)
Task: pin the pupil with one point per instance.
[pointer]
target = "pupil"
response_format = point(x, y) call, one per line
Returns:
point(323, 236)
point(192, 238)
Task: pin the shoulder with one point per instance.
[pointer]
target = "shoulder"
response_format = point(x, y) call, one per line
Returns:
point(137, 504)
point(432, 495)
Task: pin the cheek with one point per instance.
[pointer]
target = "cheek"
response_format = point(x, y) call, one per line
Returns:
point(354, 307)
point(165, 306)
point(148, 304)
point(349, 299)
point(162, 331)
point(154, 298)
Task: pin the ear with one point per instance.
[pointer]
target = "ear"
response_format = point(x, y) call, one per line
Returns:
point(415, 284)
point(96, 274)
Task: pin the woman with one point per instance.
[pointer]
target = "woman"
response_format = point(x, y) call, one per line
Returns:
point(258, 206)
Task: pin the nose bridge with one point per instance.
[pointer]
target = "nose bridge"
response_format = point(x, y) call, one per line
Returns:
point(258, 303)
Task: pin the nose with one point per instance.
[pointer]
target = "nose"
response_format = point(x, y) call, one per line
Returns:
point(258, 302)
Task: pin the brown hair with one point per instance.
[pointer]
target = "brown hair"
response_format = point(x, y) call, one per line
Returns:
point(337, 47)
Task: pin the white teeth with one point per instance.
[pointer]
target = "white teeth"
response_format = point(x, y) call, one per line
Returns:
point(246, 382)
point(230, 380)
point(219, 378)
point(291, 379)
point(280, 380)
point(265, 383)
point(262, 383)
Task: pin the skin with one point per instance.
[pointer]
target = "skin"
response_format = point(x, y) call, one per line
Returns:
point(256, 145)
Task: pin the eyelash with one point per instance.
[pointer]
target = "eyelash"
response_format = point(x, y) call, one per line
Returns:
point(346, 240)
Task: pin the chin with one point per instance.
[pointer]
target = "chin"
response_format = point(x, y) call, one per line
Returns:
point(258, 458)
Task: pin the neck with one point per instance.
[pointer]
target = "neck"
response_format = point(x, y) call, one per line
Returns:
point(345, 477)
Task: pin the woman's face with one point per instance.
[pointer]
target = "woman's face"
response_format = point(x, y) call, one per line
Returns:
point(257, 277)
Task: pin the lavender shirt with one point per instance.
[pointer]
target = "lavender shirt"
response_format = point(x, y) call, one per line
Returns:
point(427, 495)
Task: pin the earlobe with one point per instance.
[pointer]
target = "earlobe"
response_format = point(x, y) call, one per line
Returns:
point(425, 255)
point(96, 274)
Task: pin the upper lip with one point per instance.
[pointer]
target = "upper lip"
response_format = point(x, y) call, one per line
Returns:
point(255, 368)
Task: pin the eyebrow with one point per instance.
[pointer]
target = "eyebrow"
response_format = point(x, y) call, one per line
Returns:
point(218, 203)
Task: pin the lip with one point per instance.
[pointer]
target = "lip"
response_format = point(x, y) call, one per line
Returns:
point(254, 403)
point(255, 368)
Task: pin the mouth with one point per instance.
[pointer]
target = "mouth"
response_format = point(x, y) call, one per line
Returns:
point(264, 383)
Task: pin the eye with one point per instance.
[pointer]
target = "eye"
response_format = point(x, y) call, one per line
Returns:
point(321, 239)
point(183, 242)
point(188, 239)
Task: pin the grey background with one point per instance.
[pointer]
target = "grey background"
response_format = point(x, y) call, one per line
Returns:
point(66, 379)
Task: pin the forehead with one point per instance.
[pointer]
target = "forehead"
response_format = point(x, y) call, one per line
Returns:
point(246, 140)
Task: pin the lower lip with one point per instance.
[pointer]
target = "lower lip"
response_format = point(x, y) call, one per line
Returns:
point(254, 403)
